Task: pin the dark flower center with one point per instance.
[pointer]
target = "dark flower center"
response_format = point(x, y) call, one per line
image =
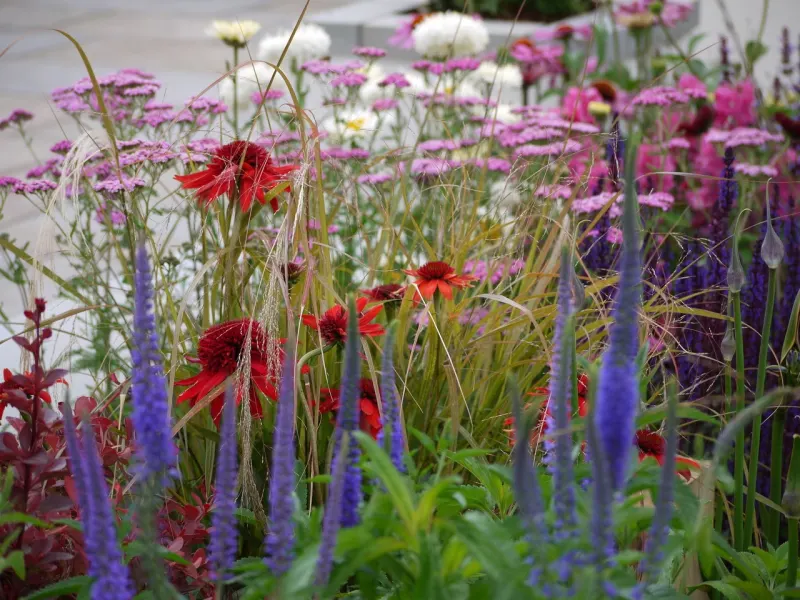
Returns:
point(385, 292)
point(650, 443)
point(435, 270)
point(241, 152)
point(221, 346)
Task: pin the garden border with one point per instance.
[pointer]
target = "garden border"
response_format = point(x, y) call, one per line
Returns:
point(371, 23)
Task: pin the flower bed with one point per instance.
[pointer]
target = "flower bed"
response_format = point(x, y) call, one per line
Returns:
point(430, 331)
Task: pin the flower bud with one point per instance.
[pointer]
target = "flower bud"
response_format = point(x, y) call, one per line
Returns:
point(599, 109)
point(772, 250)
point(736, 279)
point(657, 7)
point(791, 495)
point(578, 292)
point(728, 344)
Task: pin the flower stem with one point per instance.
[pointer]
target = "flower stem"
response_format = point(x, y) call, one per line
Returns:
point(309, 355)
point(755, 437)
point(776, 474)
point(235, 76)
point(738, 498)
point(791, 574)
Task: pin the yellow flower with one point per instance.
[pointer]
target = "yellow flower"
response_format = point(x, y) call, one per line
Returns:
point(234, 33)
point(356, 124)
point(711, 97)
point(599, 109)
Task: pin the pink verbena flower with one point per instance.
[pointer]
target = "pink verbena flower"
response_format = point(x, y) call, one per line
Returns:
point(735, 104)
point(369, 52)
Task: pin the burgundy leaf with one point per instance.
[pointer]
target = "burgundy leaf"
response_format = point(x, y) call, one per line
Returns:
point(22, 342)
point(40, 458)
point(55, 503)
point(53, 376)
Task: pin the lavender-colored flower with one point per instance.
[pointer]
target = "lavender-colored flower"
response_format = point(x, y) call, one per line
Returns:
point(498, 165)
point(331, 522)
point(156, 452)
point(350, 79)
point(141, 90)
point(117, 218)
point(50, 166)
point(391, 419)
point(224, 535)
point(16, 117)
point(61, 147)
point(602, 532)
point(258, 97)
point(466, 63)
point(552, 149)
point(111, 577)
point(398, 80)
point(347, 421)
point(382, 104)
point(280, 539)
point(346, 153)
point(660, 96)
point(369, 52)
point(115, 185)
point(375, 178)
point(10, 182)
point(37, 186)
point(618, 389)
point(430, 166)
point(560, 394)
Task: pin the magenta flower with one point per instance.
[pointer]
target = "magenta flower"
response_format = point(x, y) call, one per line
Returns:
point(349, 79)
point(369, 52)
point(575, 105)
point(651, 159)
point(734, 104)
point(382, 104)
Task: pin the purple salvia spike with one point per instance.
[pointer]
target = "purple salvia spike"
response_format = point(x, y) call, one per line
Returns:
point(157, 455)
point(333, 516)
point(111, 577)
point(526, 480)
point(659, 530)
point(347, 421)
point(602, 533)
point(75, 454)
point(224, 538)
point(391, 407)
point(280, 539)
point(618, 385)
point(560, 396)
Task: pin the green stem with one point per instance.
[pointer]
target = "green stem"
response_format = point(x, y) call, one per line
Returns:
point(776, 474)
point(791, 574)
point(309, 355)
point(755, 437)
point(738, 498)
point(575, 402)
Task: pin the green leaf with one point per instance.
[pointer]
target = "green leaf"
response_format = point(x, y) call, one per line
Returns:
point(15, 560)
point(395, 483)
point(73, 585)
point(16, 517)
point(753, 50)
point(791, 329)
point(423, 439)
point(723, 588)
point(245, 515)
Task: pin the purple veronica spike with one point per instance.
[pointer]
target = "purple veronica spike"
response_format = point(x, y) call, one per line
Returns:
point(75, 452)
point(333, 516)
point(224, 539)
point(280, 539)
point(347, 421)
point(618, 386)
point(526, 480)
point(602, 532)
point(391, 409)
point(560, 395)
point(111, 577)
point(155, 448)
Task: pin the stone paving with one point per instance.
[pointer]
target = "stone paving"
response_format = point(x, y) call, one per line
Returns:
point(166, 37)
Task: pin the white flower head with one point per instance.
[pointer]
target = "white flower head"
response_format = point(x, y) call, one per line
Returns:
point(351, 124)
point(449, 35)
point(502, 112)
point(252, 78)
point(309, 42)
point(489, 73)
point(233, 33)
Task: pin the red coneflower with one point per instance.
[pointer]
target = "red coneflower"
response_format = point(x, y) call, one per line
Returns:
point(700, 124)
point(332, 326)
point(541, 428)
point(220, 352)
point(385, 293)
point(370, 418)
point(650, 443)
point(606, 89)
point(241, 167)
point(438, 275)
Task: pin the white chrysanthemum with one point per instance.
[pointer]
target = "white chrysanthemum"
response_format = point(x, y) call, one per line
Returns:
point(351, 124)
point(234, 33)
point(252, 78)
point(450, 34)
point(309, 42)
point(459, 89)
point(489, 73)
point(502, 112)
